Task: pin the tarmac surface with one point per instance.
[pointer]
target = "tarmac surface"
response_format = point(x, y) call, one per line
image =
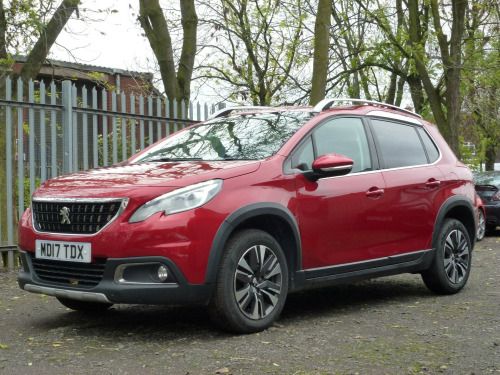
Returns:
point(391, 325)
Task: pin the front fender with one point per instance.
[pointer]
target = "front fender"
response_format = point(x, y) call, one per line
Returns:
point(237, 218)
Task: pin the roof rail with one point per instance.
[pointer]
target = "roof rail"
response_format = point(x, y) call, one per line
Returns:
point(227, 111)
point(327, 103)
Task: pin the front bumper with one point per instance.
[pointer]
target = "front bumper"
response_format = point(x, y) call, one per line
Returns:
point(120, 280)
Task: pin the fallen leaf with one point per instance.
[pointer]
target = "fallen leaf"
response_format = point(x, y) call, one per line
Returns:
point(224, 370)
point(3, 346)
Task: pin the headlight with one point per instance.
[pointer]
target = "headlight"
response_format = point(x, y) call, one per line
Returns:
point(178, 200)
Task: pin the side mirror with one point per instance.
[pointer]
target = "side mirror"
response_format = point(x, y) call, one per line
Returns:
point(329, 165)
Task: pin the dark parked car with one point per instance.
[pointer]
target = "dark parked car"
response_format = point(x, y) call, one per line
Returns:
point(255, 203)
point(488, 188)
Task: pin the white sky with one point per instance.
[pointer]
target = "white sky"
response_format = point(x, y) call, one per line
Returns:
point(114, 42)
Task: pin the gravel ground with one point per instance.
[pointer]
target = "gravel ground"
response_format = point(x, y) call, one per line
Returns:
point(391, 325)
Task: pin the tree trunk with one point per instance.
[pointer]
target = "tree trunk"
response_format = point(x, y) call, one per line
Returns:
point(400, 92)
point(189, 26)
point(321, 51)
point(447, 122)
point(155, 26)
point(177, 84)
point(454, 70)
point(490, 154)
point(416, 92)
point(48, 36)
point(391, 91)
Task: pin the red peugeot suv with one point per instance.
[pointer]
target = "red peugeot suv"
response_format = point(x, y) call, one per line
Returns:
point(236, 212)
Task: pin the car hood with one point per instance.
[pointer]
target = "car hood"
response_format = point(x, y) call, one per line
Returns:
point(104, 181)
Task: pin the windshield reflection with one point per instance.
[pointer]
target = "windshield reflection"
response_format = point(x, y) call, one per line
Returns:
point(242, 137)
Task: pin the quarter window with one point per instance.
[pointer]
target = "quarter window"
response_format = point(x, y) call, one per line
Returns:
point(400, 145)
point(432, 151)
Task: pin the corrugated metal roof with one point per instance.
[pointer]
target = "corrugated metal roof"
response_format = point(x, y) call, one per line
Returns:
point(89, 68)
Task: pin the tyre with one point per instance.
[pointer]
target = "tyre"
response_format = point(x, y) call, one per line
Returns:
point(252, 283)
point(84, 306)
point(481, 226)
point(451, 266)
point(491, 227)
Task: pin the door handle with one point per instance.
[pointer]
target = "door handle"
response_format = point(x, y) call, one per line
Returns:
point(375, 193)
point(432, 183)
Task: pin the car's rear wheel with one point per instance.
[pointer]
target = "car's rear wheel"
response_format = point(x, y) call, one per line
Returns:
point(252, 283)
point(451, 267)
point(84, 306)
point(481, 226)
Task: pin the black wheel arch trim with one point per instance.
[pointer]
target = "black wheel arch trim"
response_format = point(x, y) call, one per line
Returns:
point(238, 217)
point(446, 207)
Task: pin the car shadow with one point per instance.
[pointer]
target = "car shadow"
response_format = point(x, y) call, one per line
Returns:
point(352, 297)
point(169, 323)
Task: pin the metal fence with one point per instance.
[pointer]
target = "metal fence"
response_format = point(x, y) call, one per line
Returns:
point(58, 128)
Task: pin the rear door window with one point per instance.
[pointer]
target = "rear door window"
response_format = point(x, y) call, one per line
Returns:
point(399, 145)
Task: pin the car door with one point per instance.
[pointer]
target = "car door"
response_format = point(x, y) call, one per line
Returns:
point(339, 217)
point(413, 184)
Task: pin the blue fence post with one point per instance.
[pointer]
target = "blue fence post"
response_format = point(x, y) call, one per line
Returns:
point(67, 127)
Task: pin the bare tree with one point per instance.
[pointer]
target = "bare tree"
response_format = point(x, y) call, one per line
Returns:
point(443, 92)
point(257, 44)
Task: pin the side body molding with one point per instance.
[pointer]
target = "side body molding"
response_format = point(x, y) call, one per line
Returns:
point(241, 215)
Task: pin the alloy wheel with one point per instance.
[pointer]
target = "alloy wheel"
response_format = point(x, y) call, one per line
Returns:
point(257, 282)
point(456, 256)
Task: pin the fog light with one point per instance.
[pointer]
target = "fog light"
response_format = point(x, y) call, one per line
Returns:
point(162, 273)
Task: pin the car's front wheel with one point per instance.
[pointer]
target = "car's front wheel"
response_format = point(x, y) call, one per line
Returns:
point(252, 283)
point(84, 306)
point(451, 267)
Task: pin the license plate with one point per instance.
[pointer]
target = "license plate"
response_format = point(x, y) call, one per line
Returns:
point(62, 250)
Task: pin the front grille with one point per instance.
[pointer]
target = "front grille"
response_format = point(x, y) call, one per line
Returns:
point(71, 273)
point(76, 217)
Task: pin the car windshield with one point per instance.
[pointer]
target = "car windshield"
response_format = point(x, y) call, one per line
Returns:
point(243, 137)
point(487, 178)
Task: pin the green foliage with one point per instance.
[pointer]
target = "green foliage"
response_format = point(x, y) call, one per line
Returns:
point(26, 188)
point(25, 21)
point(480, 85)
point(99, 78)
point(129, 148)
point(472, 157)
